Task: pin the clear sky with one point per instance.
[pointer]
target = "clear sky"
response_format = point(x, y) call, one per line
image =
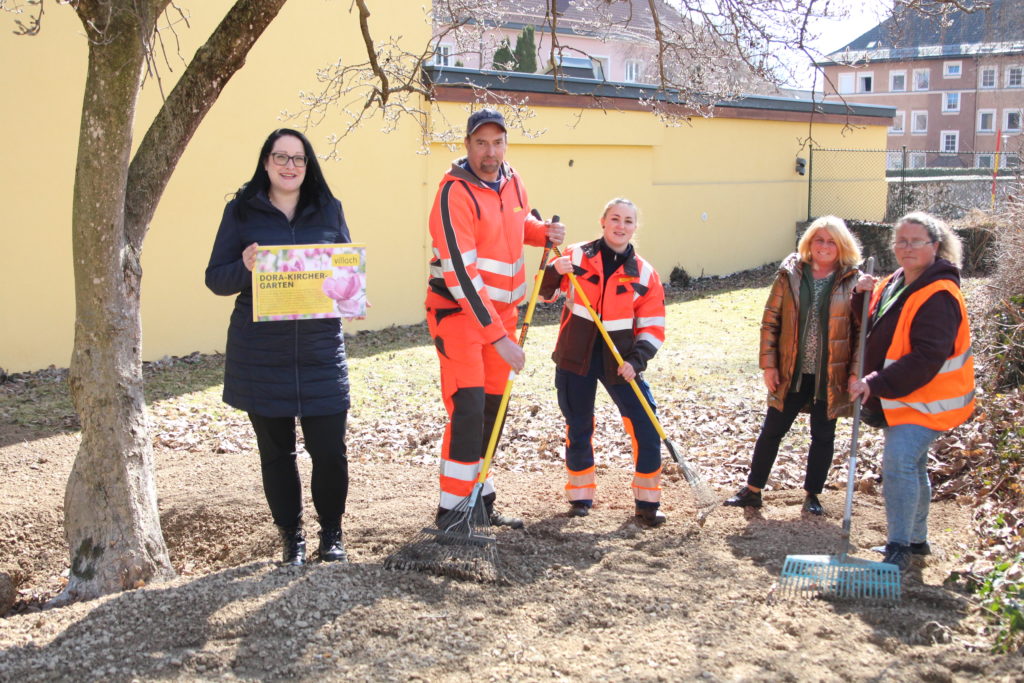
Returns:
point(862, 15)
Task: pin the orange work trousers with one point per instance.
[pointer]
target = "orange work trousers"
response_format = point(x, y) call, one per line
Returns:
point(473, 378)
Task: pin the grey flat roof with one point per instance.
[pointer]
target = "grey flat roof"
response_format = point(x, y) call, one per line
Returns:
point(541, 83)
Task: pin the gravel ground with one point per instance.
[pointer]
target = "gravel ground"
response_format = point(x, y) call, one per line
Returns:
point(593, 598)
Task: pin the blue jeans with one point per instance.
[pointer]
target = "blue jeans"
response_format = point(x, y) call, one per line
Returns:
point(905, 482)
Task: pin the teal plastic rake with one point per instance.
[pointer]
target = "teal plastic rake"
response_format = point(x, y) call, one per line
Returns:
point(842, 576)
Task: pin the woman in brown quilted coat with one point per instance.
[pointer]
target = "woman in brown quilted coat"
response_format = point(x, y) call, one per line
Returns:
point(807, 354)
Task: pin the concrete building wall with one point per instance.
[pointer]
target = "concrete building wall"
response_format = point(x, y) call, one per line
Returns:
point(989, 84)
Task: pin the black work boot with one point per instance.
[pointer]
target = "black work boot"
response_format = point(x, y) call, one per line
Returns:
point(745, 498)
point(652, 517)
point(498, 519)
point(293, 546)
point(812, 505)
point(578, 509)
point(331, 548)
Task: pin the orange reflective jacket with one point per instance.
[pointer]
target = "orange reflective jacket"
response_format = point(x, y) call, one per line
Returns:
point(478, 236)
point(631, 304)
point(947, 400)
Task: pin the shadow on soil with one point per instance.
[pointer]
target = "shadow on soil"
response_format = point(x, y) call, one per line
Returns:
point(923, 613)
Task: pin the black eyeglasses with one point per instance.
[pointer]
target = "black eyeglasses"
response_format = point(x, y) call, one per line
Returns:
point(282, 159)
point(911, 244)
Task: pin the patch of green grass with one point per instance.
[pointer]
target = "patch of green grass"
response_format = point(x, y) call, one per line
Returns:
point(38, 401)
point(711, 343)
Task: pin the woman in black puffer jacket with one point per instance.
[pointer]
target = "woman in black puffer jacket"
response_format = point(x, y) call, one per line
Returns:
point(277, 371)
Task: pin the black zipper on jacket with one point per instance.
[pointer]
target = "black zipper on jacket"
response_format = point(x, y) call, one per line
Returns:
point(295, 357)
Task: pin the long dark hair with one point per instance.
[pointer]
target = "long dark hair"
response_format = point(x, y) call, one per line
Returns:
point(314, 188)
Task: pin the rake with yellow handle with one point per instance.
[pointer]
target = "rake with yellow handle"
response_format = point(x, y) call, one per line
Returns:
point(459, 545)
point(704, 496)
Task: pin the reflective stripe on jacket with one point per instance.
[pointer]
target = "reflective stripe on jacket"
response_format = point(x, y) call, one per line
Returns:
point(631, 305)
point(478, 236)
point(947, 400)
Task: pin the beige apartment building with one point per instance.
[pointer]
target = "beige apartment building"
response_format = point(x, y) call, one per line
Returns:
point(957, 85)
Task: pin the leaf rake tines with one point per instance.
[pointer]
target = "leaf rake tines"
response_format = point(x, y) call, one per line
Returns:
point(459, 546)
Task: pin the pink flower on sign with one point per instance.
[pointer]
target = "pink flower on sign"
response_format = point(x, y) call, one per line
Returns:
point(347, 292)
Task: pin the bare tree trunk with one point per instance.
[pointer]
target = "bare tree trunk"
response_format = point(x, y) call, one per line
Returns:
point(111, 520)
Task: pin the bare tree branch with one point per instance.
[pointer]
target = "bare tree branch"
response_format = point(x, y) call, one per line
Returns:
point(214, 64)
point(29, 27)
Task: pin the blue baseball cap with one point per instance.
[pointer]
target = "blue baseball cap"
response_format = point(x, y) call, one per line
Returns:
point(479, 118)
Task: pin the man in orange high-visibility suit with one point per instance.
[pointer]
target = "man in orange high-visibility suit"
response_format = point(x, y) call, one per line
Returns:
point(478, 225)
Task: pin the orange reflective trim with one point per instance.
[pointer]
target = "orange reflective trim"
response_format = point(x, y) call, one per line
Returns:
point(579, 494)
point(581, 479)
point(628, 424)
point(647, 496)
point(652, 475)
point(456, 487)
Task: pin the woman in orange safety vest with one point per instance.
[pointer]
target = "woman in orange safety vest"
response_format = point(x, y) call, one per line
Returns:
point(919, 372)
point(626, 293)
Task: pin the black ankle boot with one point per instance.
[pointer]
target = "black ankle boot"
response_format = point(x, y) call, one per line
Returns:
point(293, 546)
point(331, 547)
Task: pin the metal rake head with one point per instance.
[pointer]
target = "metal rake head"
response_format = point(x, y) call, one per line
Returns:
point(839, 576)
point(458, 546)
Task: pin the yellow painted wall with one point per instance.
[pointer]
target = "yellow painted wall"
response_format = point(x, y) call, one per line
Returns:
point(716, 196)
point(378, 179)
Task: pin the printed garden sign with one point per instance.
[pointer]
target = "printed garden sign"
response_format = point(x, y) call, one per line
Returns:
point(303, 281)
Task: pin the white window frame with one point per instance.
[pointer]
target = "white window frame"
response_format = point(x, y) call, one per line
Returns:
point(893, 160)
point(956, 141)
point(1007, 113)
point(946, 108)
point(914, 130)
point(632, 68)
point(984, 160)
point(1009, 160)
point(917, 160)
point(927, 79)
point(897, 125)
point(892, 77)
point(864, 76)
point(1015, 76)
point(994, 70)
point(981, 115)
point(846, 83)
point(948, 67)
point(442, 54)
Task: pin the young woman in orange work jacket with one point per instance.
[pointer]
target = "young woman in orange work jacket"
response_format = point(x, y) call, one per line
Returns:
point(627, 294)
point(919, 371)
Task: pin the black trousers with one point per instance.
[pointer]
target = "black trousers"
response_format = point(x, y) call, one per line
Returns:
point(325, 442)
point(777, 424)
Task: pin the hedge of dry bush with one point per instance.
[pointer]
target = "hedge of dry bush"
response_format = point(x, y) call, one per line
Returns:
point(993, 481)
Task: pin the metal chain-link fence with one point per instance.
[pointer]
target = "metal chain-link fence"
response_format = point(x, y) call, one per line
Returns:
point(881, 185)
